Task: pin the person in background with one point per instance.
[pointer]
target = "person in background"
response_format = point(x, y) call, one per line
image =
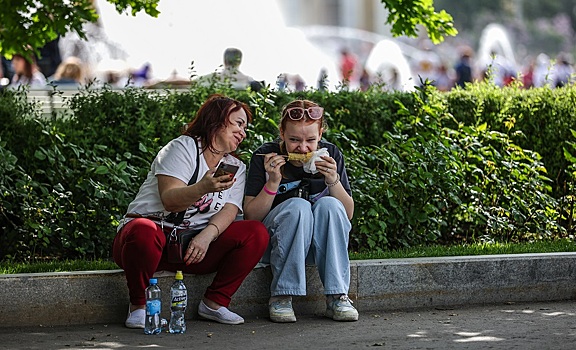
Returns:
point(563, 71)
point(463, 69)
point(69, 73)
point(443, 81)
point(50, 58)
point(528, 74)
point(231, 73)
point(306, 207)
point(227, 247)
point(365, 80)
point(348, 64)
point(26, 72)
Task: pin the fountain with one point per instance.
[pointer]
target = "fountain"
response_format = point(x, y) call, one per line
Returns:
point(389, 66)
point(495, 40)
point(200, 31)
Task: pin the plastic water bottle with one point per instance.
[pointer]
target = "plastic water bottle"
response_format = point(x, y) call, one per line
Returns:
point(153, 308)
point(179, 300)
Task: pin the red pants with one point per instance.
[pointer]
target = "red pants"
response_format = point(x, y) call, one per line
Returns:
point(138, 250)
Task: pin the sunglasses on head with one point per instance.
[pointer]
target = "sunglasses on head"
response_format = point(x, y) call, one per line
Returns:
point(297, 113)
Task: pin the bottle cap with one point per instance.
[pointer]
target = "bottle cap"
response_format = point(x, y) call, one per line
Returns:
point(153, 281)
point(179, 275)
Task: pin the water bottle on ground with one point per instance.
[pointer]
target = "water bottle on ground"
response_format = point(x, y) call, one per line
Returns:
point(153, 308)
point(179, 300)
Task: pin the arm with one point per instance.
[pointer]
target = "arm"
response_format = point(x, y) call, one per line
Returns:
point(218, 223)
point(329, 168)
point(177, 195)
point(338, 191)
point(256, 208)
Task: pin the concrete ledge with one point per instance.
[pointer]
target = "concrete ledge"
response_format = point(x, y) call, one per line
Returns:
point(376, 285)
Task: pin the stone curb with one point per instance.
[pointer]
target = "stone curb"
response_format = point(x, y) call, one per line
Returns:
point(91, 297)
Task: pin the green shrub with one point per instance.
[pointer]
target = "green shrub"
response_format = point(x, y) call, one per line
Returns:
point(425, 167)
point(429, 183)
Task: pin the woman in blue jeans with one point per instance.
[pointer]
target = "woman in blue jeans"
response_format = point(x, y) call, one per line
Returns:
point(298, 187)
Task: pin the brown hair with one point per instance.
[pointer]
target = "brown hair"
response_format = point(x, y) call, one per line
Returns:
point(213, 116)
point(71, 68)
point(28, 65)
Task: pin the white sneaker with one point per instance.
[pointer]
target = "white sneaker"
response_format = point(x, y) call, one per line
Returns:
point(280, 309)
point(136, 318)
point(222, 315)
point(339, 308)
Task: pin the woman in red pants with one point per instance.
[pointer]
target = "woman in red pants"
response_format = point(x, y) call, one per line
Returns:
point(211, 204)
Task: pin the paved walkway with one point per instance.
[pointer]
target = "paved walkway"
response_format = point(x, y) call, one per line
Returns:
point(538, 326)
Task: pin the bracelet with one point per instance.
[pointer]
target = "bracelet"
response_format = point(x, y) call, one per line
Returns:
point(217, 230)
point(333, 183)
point(269, 192)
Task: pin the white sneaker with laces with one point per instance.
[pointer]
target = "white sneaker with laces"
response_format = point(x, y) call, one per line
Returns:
point(136, 318)
point(222, 315)
point(280, 309)
point(339, 308)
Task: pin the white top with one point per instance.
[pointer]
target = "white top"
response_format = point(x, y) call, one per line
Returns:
point(178, 159)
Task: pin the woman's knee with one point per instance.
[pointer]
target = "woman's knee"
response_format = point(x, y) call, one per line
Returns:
point(294, 208)
point(254, 231)
point(329, 205)
point(143, 231)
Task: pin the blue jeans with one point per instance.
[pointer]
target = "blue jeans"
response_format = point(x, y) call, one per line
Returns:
point(303, 233)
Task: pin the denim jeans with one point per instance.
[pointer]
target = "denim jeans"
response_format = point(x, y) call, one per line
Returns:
point(302, 233)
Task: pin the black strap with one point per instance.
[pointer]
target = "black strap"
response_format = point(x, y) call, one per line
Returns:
point(177, 218)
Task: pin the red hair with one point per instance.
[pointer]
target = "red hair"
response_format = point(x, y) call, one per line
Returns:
point(213, 116)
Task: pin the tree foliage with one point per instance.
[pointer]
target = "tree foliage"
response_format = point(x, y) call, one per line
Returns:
point(406, 15)
point(27, 25)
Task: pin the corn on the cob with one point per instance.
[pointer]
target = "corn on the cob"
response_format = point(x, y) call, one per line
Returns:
point(303, 157)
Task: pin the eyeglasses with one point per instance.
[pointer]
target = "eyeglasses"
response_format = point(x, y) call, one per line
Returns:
point(297, 113)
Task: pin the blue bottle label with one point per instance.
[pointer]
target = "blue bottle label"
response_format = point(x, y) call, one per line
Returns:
point(153, 307)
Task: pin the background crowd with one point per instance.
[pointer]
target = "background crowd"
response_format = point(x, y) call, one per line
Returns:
point(540, 71)
point(57, 67)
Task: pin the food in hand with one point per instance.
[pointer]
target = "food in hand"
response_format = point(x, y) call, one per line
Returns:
point(303, 157)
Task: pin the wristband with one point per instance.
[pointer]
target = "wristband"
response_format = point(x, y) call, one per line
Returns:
point(333, 183)
point(269, 192)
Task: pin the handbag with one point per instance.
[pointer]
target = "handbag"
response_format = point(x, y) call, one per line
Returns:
point(177, 240)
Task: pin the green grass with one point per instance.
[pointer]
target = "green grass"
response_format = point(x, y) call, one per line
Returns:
point(564, 245)
point(57, 266)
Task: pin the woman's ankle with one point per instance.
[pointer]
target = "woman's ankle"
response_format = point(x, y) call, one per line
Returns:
point(136, 307)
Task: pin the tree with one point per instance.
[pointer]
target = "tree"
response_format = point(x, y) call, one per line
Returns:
point(406, 15)
point(27, 25)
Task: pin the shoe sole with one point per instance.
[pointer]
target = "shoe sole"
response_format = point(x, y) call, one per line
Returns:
point(219, 320)
point(283, 319)
point(344, 318)
point(134, 326)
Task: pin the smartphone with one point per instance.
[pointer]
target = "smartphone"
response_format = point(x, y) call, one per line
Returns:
point(226, 169)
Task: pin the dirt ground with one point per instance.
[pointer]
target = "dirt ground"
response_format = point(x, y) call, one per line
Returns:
point(538, 326)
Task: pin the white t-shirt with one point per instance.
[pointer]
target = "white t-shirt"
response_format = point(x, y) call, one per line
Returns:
point(178, 159)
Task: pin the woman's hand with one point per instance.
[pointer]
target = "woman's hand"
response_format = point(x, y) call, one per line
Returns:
point(197, 248)
point(272, 164)
point(328, 168)
point(210, 183)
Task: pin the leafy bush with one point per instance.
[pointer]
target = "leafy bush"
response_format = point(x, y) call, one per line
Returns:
point(429, 183)
point(425, 167)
